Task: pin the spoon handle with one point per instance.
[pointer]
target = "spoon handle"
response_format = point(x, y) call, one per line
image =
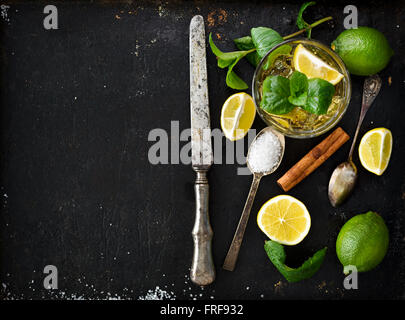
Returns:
point(233, 252)
point(372, 86)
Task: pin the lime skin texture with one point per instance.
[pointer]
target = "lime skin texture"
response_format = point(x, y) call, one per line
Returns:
point(364, 50)
point(362, 242)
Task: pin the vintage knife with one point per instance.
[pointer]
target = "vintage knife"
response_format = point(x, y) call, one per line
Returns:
point(202, 268)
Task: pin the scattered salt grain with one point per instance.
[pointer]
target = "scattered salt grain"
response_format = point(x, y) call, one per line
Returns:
point(158, 294)
point(4, 12)
point(265, 152)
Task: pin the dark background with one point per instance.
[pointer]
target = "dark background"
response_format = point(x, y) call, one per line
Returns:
point(78, 191)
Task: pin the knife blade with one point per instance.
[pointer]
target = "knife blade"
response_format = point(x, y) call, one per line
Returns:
point(201, 150)
point(202, 270)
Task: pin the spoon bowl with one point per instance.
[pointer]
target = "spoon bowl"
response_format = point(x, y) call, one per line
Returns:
point(342, 182)
point(281, 140)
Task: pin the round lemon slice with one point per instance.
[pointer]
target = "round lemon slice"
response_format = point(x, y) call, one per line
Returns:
point(375, 150)
point(237, 115)
point(313, 67)
point(284, 219)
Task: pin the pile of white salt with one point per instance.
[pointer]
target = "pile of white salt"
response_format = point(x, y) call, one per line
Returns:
point(265, 152)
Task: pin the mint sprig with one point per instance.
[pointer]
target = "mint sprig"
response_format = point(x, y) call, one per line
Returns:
point(298, 89)
point(230, 59)
point(320, 93)
point(265, 39)
point(276, 90)
point(246, 43)
point(256, 46)
point(301, 24)
point(277, 256)
point(281, 95)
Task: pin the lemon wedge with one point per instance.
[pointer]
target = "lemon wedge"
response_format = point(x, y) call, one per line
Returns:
point(313, 67)
point(237, 115)
point(284, 219)
point(375, 150)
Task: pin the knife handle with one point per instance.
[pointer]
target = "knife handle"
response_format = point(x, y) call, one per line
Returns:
point(202, 269)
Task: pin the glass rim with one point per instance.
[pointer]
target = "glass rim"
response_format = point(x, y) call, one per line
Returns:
point(327, 125)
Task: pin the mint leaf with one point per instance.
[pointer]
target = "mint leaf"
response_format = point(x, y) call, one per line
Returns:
point(298, 101)
point(230, 59)
point(246, 43)
point(301, 24)
point(276, 90)
point(281, 95)
point(224, 58)
point(265, 39)
point(298, 88)
point(276, 253)
point(320, 93)
point(233, 80)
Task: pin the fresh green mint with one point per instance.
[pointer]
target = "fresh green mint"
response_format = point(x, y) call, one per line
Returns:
point(276, 90)
point(233, 80)
point(230, 59)
point(262, 40)
point(256, 46)
point(265, 39)
point(276, 253)
point(301, 24)
point(246, 43)
point(281, 95)
point(320, 93)
point(298, 89)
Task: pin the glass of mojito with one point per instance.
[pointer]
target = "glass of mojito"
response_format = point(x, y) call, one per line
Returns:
point(299, 117)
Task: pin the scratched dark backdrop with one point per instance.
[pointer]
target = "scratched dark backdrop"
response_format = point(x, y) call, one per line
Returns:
point(78, 192)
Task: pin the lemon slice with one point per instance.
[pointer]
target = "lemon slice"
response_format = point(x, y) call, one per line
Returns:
point(313, 67)
point(237, 115)
point(284, 219)
point(375, 150)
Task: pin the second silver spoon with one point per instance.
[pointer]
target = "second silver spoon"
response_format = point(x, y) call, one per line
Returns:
point(344, 177)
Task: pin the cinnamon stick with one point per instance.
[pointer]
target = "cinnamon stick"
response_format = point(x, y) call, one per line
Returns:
point(313, 159)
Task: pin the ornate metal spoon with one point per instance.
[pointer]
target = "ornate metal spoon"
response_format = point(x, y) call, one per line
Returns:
point(233, 252)
point(344, 176)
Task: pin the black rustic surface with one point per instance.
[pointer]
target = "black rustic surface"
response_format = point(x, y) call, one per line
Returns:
point(78, 191)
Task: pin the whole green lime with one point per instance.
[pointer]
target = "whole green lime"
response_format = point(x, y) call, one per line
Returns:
point(364, 50)
point(362, 242)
